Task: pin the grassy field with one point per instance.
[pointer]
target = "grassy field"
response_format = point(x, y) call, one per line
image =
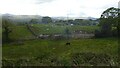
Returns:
point(42, 52)
point(20, 32)
point(51, 29)
point(84, 28)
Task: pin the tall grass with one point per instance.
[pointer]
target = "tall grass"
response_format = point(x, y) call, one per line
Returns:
point(51, 28)
point(56, 49)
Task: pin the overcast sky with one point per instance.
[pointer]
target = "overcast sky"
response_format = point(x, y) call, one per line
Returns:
point(72, 8)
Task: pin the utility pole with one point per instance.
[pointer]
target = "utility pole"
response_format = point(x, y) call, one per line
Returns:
point(67, 31)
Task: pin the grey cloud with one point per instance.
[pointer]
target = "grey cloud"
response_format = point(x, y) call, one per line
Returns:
point(119, 4)
point(43, 1)
point(82, 14)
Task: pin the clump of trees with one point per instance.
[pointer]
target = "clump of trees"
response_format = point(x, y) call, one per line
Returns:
point(46, 20)
point(109, 25)
point(6, 30)
point(34, 21)
point(81, 22)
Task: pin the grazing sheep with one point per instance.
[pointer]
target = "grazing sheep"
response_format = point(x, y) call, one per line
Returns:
point(67, 43)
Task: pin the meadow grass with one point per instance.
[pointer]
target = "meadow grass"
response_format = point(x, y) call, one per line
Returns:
point(51, 29)
point(20, 32)
point(55, 49)
point(84, 28)
point(58, 48)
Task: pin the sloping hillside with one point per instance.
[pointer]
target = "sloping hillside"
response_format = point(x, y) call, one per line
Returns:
point(20, 32)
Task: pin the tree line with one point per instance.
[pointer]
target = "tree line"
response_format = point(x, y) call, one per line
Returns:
point(109, 23)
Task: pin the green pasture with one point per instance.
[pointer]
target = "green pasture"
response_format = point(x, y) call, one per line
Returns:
point(51, 28)
point(46, 50)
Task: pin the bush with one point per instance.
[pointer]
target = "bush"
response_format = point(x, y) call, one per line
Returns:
point(92, 59)
point(97, 33)
point(100, 33)
point(115, 33)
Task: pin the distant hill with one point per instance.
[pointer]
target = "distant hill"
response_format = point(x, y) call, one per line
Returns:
point(26, 18)
point(21, 18)
point(65, 18)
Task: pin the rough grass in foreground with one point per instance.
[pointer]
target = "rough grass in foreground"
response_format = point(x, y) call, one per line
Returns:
point(55, 52)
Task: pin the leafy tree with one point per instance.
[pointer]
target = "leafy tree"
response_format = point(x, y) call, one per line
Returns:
point(33, 21)
point(118, 25)
point(46, 20)
point(6, 30)
point(83, 22)
point(109, 21)
point(77, 21)
point(70, 21)
point(110, 16)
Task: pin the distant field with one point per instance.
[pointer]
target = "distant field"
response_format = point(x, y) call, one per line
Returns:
point(46, 50)
point(50, 28)
point(20, 32)
point(84, 28)
point(95, 51)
